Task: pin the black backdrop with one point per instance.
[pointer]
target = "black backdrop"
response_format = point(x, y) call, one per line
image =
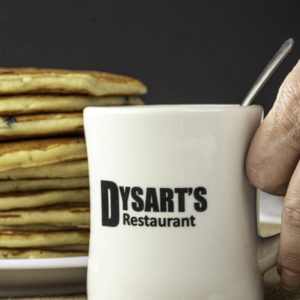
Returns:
point(185, 51)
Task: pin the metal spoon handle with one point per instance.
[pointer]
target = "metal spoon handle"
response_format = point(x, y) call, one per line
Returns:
point(268, 71)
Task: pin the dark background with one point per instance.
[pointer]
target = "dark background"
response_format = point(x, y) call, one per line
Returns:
point(185, 51)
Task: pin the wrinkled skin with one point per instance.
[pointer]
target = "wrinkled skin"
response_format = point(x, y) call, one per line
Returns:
point(273, 166)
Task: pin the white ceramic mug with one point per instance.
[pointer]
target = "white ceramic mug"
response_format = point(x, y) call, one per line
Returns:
point(173, 216)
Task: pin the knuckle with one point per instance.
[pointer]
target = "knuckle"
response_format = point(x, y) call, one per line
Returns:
point(286, 106)
point(289, 92)
point(286, 112)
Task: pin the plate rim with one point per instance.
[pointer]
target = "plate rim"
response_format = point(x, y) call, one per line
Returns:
point(44, 263)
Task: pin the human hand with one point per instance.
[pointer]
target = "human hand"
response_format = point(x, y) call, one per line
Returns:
point(273, 166)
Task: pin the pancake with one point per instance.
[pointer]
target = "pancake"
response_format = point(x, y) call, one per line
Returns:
point(31, 104)
point(61, 170)
point(15, 239)
point(43, 227)
point(34, 153)
point(42, 198)
point(64, 214)
point(82, 248)
point(28, 185)
point(32, 80)
point(42, 125)
point(37, 253)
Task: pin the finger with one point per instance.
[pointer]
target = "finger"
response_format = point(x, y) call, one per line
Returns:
point(289, 246)
point(274, 150)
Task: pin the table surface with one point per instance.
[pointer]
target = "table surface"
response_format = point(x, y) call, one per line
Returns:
point(273, 289)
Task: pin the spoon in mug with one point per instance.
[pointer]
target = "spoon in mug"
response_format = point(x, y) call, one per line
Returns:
point(268, 71)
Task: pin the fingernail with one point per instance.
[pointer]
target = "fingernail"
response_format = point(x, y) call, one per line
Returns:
point(289, 279)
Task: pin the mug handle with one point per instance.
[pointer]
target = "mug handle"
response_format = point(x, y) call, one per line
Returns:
point(267, 252)
point(267, 246)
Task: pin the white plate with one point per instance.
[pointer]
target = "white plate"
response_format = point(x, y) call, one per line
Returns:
point(43, 276)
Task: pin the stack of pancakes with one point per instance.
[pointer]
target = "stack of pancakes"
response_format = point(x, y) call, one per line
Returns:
point(44, 187)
